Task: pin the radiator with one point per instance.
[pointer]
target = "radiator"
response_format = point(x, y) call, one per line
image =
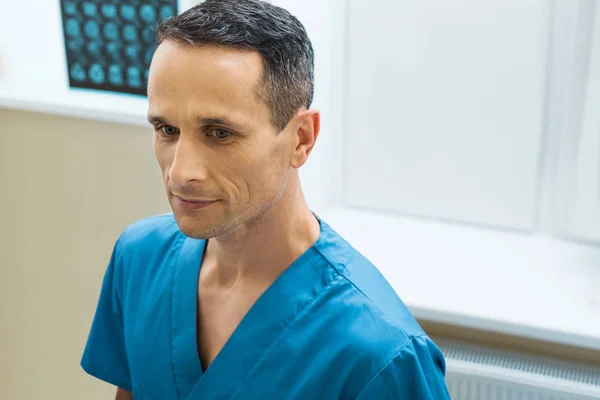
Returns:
point(482, 373)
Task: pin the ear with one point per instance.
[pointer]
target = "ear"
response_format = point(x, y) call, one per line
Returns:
point(307, 131)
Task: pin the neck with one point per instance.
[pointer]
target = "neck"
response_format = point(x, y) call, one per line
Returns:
point(262, 249)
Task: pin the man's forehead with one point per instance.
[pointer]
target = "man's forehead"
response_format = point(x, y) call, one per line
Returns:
point(195, 82)
point(206, 73)
point(202, 62)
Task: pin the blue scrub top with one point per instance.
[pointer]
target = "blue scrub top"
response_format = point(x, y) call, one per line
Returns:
point(330, 327)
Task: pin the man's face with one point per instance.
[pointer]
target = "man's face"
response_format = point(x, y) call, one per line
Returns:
point(213, 139)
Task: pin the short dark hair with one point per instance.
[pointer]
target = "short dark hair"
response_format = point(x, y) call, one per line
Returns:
point(281, 40)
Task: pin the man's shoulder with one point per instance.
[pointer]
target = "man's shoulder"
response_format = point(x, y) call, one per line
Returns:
point(151, 229)
point(148, 236)
point(369, 324)
point(373, 291)
point(144, 250)
point(363, 311)
point(364, 335)
point(381, 294)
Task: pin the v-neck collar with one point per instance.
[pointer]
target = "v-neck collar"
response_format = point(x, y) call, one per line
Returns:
point(266, 320)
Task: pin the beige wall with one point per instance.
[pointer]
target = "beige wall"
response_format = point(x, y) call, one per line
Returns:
point(67, 189)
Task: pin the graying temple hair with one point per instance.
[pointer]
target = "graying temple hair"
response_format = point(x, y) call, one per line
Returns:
point(281, 40)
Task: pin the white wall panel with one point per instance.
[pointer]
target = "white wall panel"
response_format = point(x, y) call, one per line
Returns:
point(584, 214)
point(444, 107)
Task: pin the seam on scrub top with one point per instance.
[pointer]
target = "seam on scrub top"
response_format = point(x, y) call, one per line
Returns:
point(409, 338)
point(175, 264)
point(271, 346)
point(388, 362)
point(118, 255)
point(345, 263)
point(375, 306)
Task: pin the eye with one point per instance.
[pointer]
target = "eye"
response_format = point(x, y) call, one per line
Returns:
point(169, 130)
point(221, 134)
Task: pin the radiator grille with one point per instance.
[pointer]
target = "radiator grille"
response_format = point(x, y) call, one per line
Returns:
point(464, 386)
point(520, 362)
point(478, 389)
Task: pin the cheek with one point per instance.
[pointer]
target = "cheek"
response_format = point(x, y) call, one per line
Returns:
point(271, 173)
point(163, 157)
point(255, 177)
point(254, 174)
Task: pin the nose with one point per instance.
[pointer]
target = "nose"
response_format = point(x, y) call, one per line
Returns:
point(188, 164)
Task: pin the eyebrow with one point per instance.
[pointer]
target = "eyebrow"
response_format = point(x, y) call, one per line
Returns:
point(156, 119)
point(210, 121)
point(203, 121)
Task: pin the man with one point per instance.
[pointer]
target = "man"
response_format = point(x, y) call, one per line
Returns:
point(242, 292)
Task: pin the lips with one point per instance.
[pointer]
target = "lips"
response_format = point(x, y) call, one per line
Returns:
point(189, 204)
